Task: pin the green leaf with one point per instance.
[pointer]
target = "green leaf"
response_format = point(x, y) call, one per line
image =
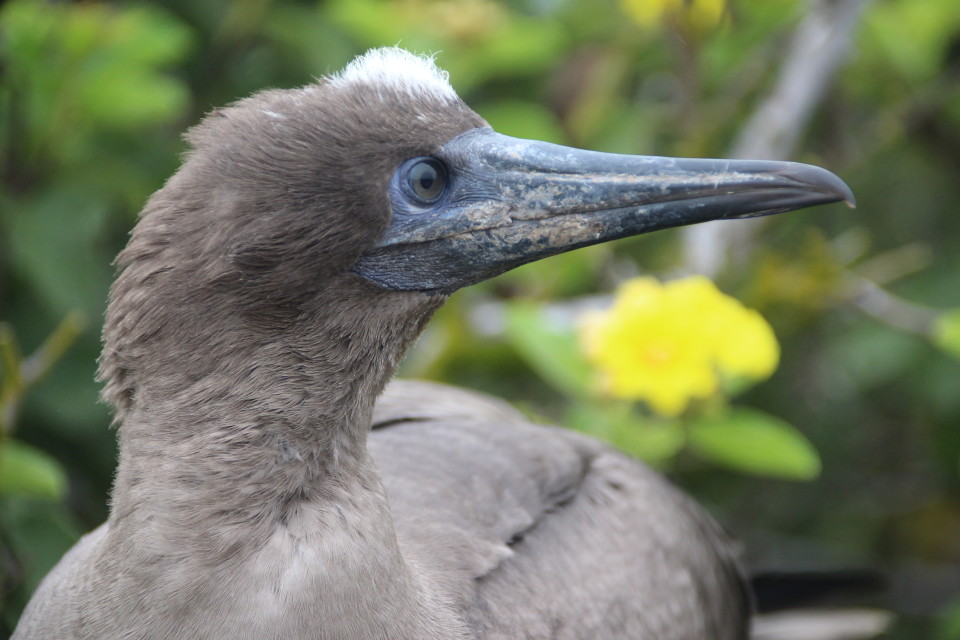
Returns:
point(27, 471)
point(149, 35)
point(930, 23)
point(552, 351)
point(37, 533)
point(949, 623)
point(875, 355)
point(521, 118)
point(946, 332)
point(124, 96)
point(50, 239)
point(655, 441)
point(755, 442)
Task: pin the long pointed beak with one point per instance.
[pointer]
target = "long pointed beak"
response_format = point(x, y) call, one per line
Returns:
point(511, 201)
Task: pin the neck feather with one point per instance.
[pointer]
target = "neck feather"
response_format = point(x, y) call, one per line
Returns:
point(249, 475)
point(232, 427)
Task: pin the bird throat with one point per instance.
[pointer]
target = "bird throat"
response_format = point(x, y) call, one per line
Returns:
point(216, 461)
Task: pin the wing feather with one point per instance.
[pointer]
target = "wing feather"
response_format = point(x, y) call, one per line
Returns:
point(544, 533)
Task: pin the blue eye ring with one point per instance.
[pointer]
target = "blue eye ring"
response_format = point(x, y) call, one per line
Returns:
point(425, 180)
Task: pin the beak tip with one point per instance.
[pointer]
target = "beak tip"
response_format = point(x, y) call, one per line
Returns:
point(825, 182)
point(845, 193)
point(851, 200)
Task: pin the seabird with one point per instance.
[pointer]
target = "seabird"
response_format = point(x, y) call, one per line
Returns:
point(270, 487)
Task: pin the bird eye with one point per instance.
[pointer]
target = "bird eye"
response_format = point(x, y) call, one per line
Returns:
point(427, 179)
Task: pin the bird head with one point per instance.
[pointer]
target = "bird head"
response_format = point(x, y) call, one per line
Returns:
point(379, 179)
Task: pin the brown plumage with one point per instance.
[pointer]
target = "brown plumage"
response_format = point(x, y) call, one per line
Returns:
point(250, 331)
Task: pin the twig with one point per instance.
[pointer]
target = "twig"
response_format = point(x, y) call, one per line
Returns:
point(817, 49)
point(19, 373)
point(894, 311)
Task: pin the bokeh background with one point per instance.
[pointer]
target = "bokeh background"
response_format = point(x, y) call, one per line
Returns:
point(94, 97)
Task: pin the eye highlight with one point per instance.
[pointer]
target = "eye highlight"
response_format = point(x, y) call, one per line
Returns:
point(426, 180)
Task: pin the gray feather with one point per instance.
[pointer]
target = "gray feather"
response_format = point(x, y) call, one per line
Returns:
point(562, 536)
point(243, 358)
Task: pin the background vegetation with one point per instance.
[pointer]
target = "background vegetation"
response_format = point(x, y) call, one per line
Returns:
point(94, 96)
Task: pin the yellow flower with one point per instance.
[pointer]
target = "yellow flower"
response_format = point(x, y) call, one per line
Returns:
point(667, 344)
point(694, 16)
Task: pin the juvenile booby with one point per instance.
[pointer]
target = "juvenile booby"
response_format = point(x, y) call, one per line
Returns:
point(262, 304)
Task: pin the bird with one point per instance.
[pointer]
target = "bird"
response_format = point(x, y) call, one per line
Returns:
point(272, 481)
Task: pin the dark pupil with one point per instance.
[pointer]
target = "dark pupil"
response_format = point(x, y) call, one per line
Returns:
point(426, 180)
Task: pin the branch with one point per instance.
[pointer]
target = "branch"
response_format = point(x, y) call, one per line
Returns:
point(817, 49)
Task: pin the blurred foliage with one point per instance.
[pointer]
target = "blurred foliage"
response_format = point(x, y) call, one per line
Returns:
point(946, 332)
point(949, 627)
point(26, 470)
point(654, 373)
point(94, 97)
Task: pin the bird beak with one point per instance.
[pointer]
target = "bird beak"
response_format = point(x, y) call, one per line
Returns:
point(510, 201)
